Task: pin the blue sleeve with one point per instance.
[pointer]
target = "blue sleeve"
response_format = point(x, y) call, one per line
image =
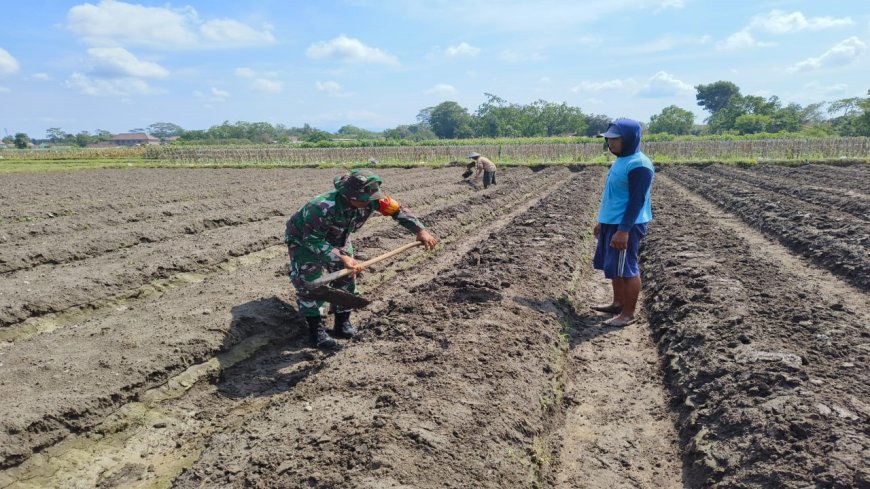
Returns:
point(639, 181)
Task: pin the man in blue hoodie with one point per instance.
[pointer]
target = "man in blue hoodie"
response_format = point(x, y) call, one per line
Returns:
point(623, 215)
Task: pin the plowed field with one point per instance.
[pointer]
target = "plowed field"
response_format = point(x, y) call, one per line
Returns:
point(149, 335)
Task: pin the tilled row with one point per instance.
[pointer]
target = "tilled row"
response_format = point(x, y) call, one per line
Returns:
point(828, 237)
point(449, 386)
point(121, 273)
point(767, 361)
point(802, 187)
point(68, 380)
point(131, 219)
point(843, 177)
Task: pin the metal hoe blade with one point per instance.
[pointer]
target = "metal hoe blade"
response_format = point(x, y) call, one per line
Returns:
point(337, 297)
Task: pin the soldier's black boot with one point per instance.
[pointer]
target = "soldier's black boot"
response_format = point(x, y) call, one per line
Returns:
point(343, 326)
point(319, 337)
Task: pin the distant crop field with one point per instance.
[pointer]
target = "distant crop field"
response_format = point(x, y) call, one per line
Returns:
point(511, 153)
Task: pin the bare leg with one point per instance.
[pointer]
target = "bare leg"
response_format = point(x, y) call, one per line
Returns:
point(627, 290)
point(615, 305)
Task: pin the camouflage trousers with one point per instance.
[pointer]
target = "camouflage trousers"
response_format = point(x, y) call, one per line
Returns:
point(305, 266)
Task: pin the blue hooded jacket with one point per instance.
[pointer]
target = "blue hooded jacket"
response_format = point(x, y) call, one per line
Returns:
point(626, 198)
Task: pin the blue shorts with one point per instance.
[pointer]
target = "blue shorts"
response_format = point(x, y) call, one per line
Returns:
point(618, 263)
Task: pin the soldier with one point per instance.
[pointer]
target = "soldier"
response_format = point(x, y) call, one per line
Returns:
point(318, 241)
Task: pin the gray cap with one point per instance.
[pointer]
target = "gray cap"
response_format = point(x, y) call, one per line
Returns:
point(473, 155)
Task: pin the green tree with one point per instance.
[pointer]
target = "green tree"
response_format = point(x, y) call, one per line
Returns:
point(56, 135)
point(856, 118)
point(424, 115)
point(449, 120)
point(849, 106)
point(164, 130)
point(21, 140)
point(596, 124)
point(716, 96)
point(752, 123)
point(557, 119)
point(83, 139)
point(672, 120)
point(413, 132)
point(497, 118)
point(316, 136)
point(354, 132)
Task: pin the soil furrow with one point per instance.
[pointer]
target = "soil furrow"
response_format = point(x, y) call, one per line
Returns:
point(806, 190)
point(845, 177)
point(126, 447)
point(128, 273)
point(178, 337)
point(826, 236)
point(461, 402)
point(766, 357)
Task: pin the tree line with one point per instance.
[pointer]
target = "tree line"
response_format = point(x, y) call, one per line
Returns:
point(730, 113)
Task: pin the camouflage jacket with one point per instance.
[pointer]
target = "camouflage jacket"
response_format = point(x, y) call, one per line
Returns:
point(324, 224)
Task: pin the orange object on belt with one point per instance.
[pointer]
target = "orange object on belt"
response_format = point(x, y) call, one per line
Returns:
point(388, 206)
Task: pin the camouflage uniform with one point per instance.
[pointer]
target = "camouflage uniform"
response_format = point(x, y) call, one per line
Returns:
point(318, 234)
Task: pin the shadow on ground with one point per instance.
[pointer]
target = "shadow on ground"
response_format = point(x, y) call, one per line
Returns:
point(282, 355)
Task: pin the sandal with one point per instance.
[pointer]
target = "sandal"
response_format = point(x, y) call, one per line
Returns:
point(610, 309)
point(619, 323)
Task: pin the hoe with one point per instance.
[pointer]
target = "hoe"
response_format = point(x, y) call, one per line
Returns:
point(319, 290)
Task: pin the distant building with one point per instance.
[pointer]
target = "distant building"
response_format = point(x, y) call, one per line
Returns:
point(132, 139)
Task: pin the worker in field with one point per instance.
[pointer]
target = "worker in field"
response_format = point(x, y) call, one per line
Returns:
point(623, 216)
point(318, 242)
point(483, 165)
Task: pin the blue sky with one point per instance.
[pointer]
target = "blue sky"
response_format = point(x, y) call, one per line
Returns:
point(116, 65)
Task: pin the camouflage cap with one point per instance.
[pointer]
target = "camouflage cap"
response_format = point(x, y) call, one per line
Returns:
point(361, 185)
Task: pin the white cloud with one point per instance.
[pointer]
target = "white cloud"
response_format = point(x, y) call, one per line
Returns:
point(606, 86)
point(4, 89)
point(835, 89)
point(349, 50)
point(228, 32)
point(41, 76)
point(245, 73)
point(114, 23)
point(219, 95)
point(8, 64)
point(740, 40)
point(669, 4)
point(116, 87)
point(114, 62)
point(267, 86)
point(663, 84)
point(262, 82)
point(442, 89)
point(463, 49)
point(779, 22)
point(843, 53)
point(330, 88)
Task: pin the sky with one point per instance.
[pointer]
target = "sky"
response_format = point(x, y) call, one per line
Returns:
point(116, 65)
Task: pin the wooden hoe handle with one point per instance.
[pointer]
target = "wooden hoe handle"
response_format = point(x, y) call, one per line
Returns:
point(343, 272)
